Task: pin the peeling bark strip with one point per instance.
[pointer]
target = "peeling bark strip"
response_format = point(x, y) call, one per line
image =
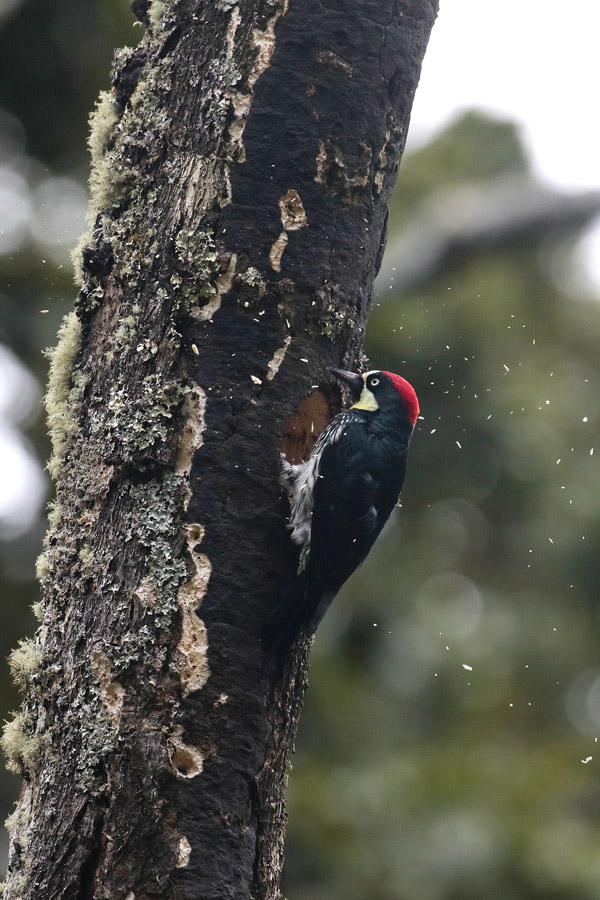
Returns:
point(241, 171)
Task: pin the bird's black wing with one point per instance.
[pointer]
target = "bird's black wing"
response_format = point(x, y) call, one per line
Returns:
point(346, 519)
point(353, 494)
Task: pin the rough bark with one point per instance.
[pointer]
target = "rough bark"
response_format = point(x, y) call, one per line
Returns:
point(242, 167)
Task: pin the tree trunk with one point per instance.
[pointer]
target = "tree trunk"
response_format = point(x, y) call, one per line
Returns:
point(241, 170)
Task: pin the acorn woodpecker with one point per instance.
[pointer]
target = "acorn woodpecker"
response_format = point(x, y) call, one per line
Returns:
point(341, 498)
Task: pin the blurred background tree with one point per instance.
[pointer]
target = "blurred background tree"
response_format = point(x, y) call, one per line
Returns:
point(454, 705)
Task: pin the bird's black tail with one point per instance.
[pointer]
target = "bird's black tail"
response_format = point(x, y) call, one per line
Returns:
point(287, 621)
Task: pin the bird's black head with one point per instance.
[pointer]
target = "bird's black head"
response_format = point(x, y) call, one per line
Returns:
point(381, 391)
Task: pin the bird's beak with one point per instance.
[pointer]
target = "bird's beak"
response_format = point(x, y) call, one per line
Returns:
point(355, 382)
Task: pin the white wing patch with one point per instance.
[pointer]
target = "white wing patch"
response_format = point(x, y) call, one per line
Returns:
point(300, 481)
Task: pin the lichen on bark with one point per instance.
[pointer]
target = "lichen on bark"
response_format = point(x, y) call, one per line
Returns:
point(64, 394)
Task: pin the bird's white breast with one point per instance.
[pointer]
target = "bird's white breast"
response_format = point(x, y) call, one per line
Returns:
point(301, 480)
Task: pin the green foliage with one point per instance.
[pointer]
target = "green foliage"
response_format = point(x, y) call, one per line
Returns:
point(473, 149)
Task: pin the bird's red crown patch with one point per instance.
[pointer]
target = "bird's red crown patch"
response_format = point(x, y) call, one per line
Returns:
point(407, 392)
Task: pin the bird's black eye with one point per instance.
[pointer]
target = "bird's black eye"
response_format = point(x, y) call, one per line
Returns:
point(373, 382)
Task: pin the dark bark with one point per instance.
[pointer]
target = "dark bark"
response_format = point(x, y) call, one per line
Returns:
point(242, 172)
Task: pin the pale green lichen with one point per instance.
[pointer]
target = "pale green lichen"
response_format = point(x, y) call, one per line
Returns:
point(86, 555)
point(24, 662)
point(20, 745)
point(198, 250)
point(154, 527)
point(108, 174)
point(99, 739)
point(120, 136)
point(77, 256)
point(202, 264)
point(156, 504)
point(38, 610)
point(42, 567)
point(143, 422)
point(253, 279)
point(327, 316)
point(155, 14)
point(103, 122)
point(252, 287)
point(62, 400)
point(11, 823)
point(54, 509)
point(336, 323)
point(18, 883)
point(18, 819)
point(139, 94)
point(61, 421)
point(126, 331)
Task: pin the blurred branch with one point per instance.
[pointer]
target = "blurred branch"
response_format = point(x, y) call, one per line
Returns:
point(455, 225)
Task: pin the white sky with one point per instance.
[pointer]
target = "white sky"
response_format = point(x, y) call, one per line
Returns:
point(537, 61)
